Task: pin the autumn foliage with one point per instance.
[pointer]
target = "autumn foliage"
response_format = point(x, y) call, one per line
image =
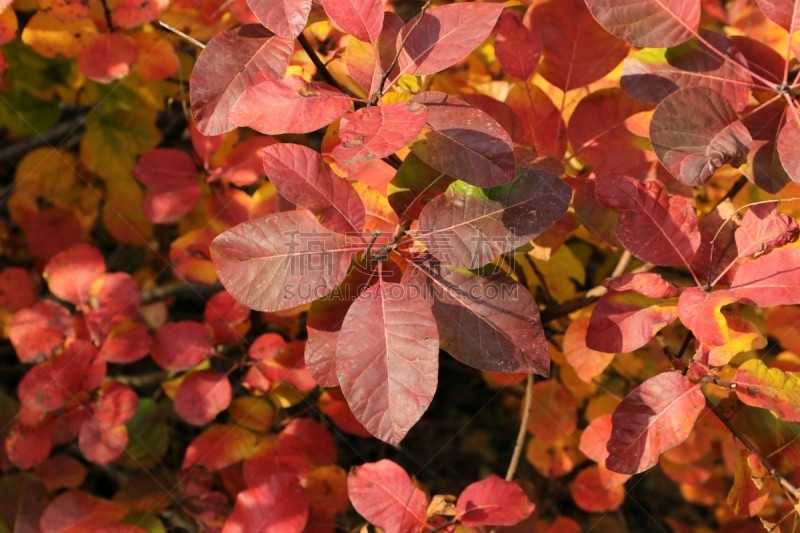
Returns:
point(295, 266)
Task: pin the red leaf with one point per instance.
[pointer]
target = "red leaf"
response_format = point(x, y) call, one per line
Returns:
point(102, 445)
point(276, 360)
point(61, 472)
point(577, 50)
point(227, 319)
point(231, 62)
point(789, 146)
point(764, 166)
point(334, 406)
point(113, 297)
point(626, 320)
point(172, 179)
point(647, 283)
point(75, 511)
point(366, 62)
point(115, 405)
point(587, 363)
point(202, 396)
point(595, 437)
point(652, 226)
point(445, 35)
point(600, 124)
point(717, 244)
point(360, 18)
point(278, 506)
point(245, 164)
point(694, 131)
point(286, 18)
point(648, 23)
point(70, 273)
point(652, 75)
point(517, 47)
point(281, 261)
point(289, 105)
point(274, 460)
point(39, 331)
point(493, 501)
point(127, 342)
point(414, 186)
point(771, 279)
point(491, 325)
point(762, 229)
point(51, 230)
point(502, 113)
point(749, 493)
point(378, 131)
point(181, 345)
point(655, 416)
point(388, 372)
point(132, 13)
point(324, 322)
point(383, 493)
point(785, 13)
point(541, 120)
point(700, 312)
point(299, 175)
point(220, 446)
point(464, 142)
point(469, 227)
point(109, 57)
point(598, 490)
point(769, 388)
point(309, 438)
point(28, 446)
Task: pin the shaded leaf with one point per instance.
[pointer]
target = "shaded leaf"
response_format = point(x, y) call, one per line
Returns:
point(701, 312)
point(278, 506)
point(553, 412)
point(286, 18)
point(181, 345)
point(299, 175)
point(289, 105)
point(654, 74)
point(491, 325)
point(789, 146)
point(655, 416)
point(598, 490)
point(764, 166)
point(232, 62)
point(378, 131)
point(414, 186)
point(493, 501)
point(100, 444)
point(595, 437)
point(227, 319)
point(17, 289)
point(587, 363)
point(74, 511)
point(717, 248)
point(785, 13)
point(445, 35)
point(652, 226)
point(769, 388)
point(61, 472)
point(220, 446)
point(172, 179)
point(746, 498)
point(382, 492)
point(388, 373)
point(648, 23)
point(469, 227)
point(771, 279)
point(541, 120)
point(281, 261)
point(24, 501)
point(517, 47)
point(463, 142)
point(695, 131)
point(577, 50)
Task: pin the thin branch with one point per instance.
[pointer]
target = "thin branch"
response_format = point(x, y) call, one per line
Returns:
point(321, 68)
point(735, 189)
point(785, 483)
point(548, 297)
point(107, 14)
point(374, 100)
point(726, 57)
point(59, 131)
point(179, 33)
point(523, 430)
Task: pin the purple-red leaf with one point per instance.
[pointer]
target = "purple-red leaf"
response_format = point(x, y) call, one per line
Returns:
point(771, 279)
point(648, 23)
point(389, 370)
point(289, 105)
point(764, 165)
point(654, 74)
point(299, 175)
point(172, 179)
point(378, 131)
point(286, 18)
point(414, 186)
point(695, 131)
point(541, 120)
point(652, 226)
point(577, 50)
point(789, 145)
point(464, 142)
point(181, 345)
point(492, 324)
point(517, 47)
point(655, 416)
point(445, 35)
point(469, 227)
point(360, 18)
point(717, 245)
point(493, 501)
point(785, 13)
point(281, 261)
point(280, 505)
point(763, 229)
point(232, 62)
point(202, 396)
point(383, 493)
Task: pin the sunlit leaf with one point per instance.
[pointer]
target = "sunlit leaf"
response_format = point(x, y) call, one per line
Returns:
point(650, 22)
point(516, 46)
point(493, 501)
point(769, 388)
point(382, 492)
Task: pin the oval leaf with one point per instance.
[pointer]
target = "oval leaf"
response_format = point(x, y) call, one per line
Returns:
point(493, 501)
point(383, 493)
point(648, 23)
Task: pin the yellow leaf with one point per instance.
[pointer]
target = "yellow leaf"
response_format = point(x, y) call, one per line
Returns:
point(8, 25)
point(53, 38)
point(114, 140)
point(122, 213)
point(49, 174)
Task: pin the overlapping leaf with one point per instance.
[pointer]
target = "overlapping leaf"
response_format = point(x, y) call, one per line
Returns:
point(771, 279)
point(541, 120)
point(789, 145)
point(769, 388)
point(517, 47)
point(280, 505)
point(361, 18)
point(414, 186)
point(469, 227)
point(382, 492)
point(763, 228)
point(650, 23)
point(493, 501)
point(587, 363)
point(286, 18)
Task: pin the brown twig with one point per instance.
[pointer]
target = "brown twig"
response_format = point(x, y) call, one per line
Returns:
point(735, 189)
point(523, 430)
point(187, 290)
point(321, 68)
point(59, 131)
point(107, 14)
point(179, 33)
